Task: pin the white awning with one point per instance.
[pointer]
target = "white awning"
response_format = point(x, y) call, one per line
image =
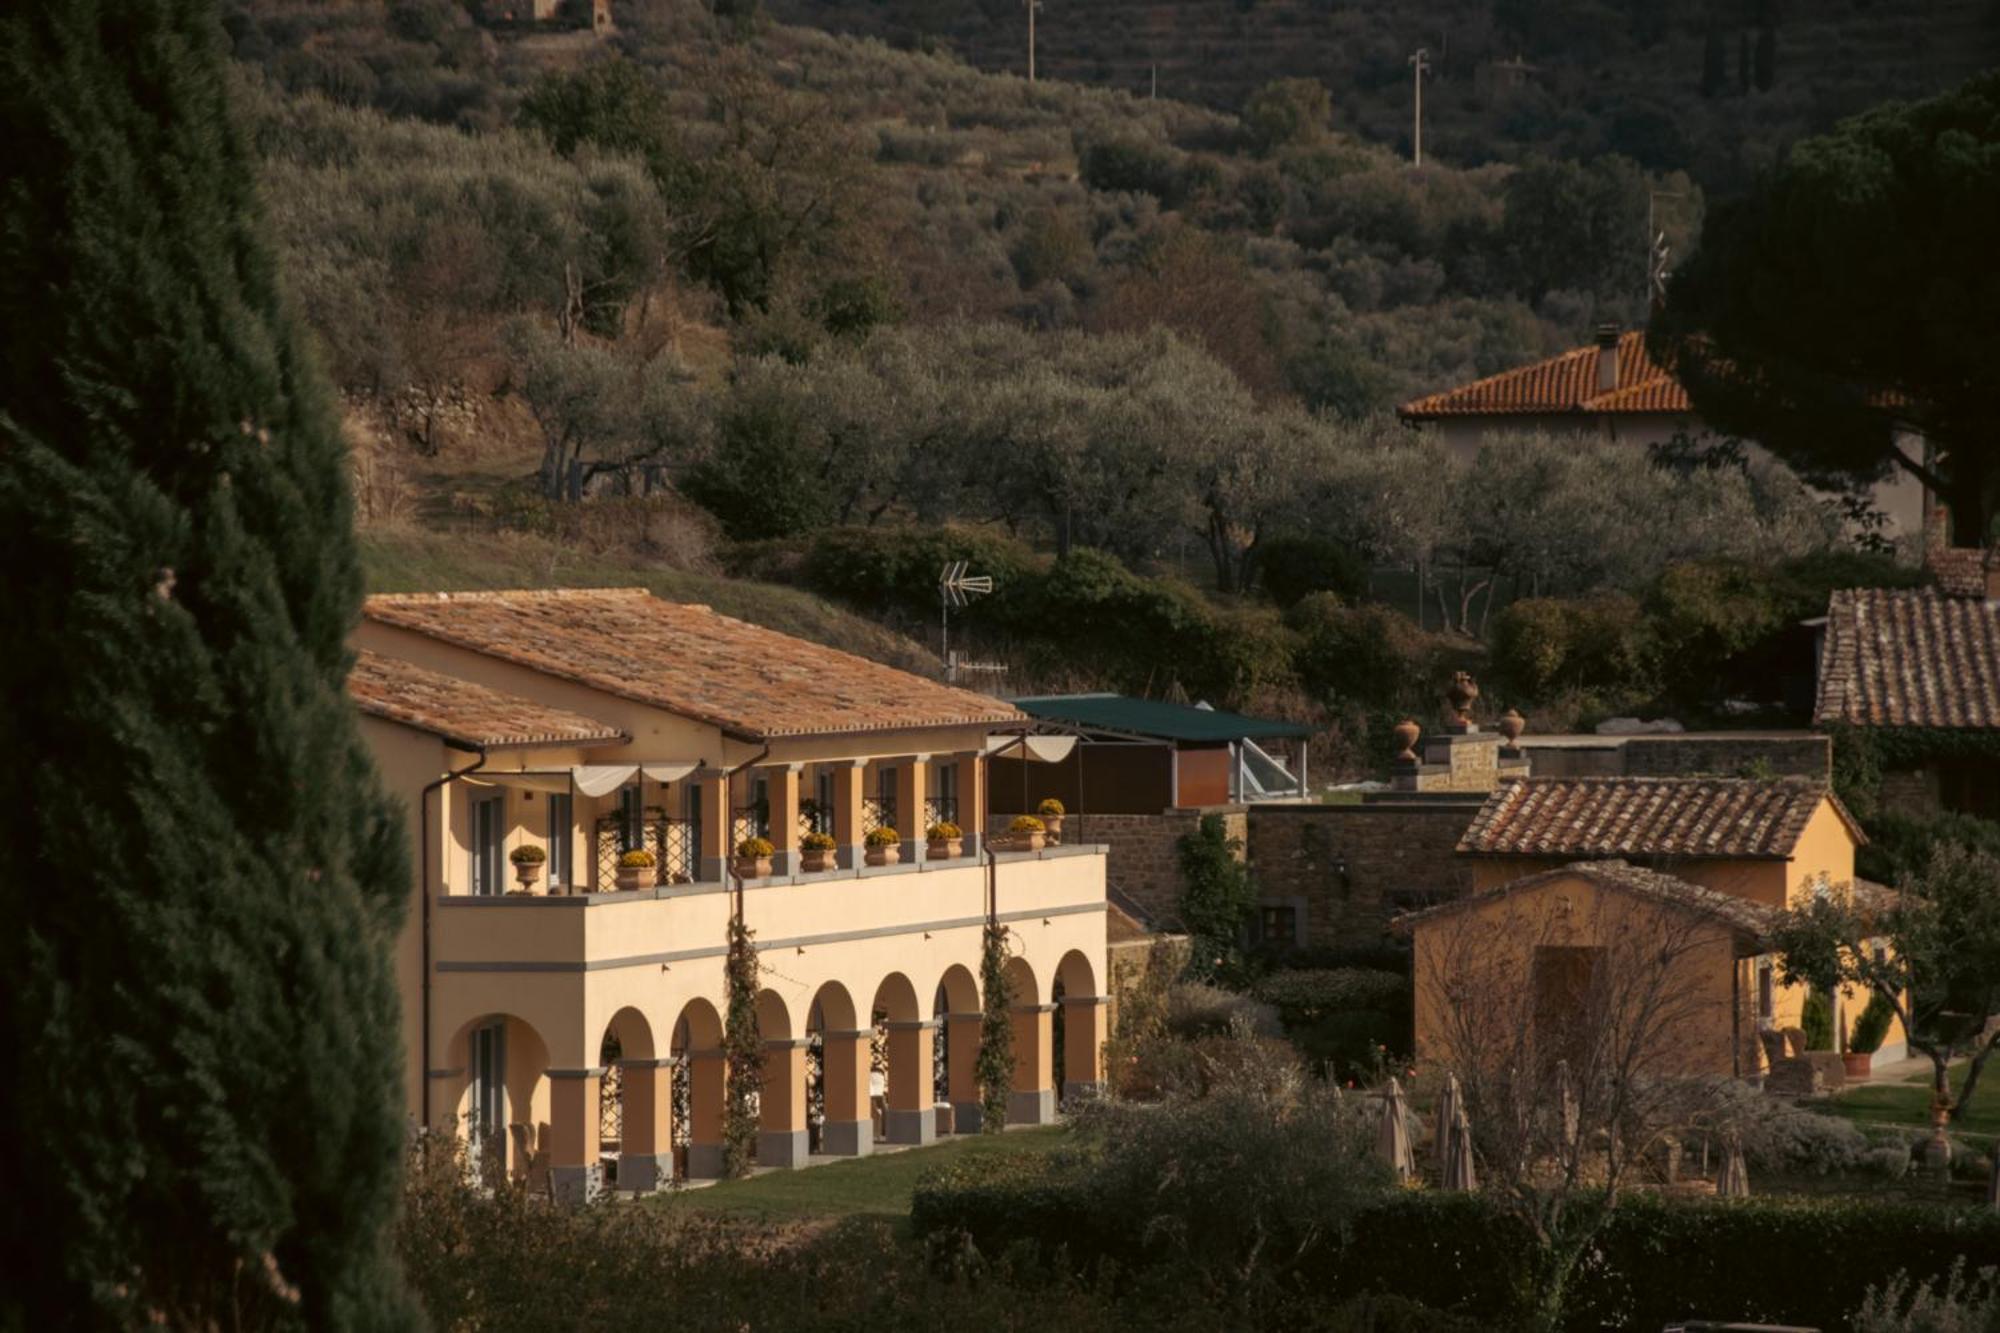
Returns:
point(589, 779)
point(1035, 749)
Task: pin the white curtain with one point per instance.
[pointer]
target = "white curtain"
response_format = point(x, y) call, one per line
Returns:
point(589, 779)
point(1035, 749)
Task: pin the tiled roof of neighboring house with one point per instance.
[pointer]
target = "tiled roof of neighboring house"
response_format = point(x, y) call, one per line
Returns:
point(689, 660)
point(1751, 918)
point(462, 713)
point(1910, 657)
point(1747, 818)
point(1960, 571)
point(1565, 383)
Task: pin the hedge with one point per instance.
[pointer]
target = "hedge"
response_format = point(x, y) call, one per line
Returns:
point(1793, 1261)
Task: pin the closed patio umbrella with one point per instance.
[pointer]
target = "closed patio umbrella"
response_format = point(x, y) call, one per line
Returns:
point(1393, 1142)
point(1459, 1174)
point(1447, 1113)
point(1734, 1180)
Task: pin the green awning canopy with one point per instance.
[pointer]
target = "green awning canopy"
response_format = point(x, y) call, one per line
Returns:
point(1155, 719)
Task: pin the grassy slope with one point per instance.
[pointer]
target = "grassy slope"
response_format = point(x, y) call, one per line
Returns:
point(409, 560)
point(866, 1187)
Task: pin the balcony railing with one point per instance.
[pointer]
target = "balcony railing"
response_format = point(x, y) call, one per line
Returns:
point(671, 841)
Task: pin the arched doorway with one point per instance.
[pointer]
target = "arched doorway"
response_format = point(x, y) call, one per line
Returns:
point(502, 1099)
point(1077, 1054)
point(781, 1100)
point(841, 1095)
point(697, 1077)
point(635, 1105)
point(956, 1007)
point(1032, 1100)
point(907, 1116)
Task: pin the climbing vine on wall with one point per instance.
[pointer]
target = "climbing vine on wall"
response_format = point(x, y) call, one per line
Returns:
point(996, 1031)
point(743, 1051)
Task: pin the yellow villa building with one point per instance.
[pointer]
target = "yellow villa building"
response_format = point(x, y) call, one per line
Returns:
point(1566, 871)
point(573, 1024)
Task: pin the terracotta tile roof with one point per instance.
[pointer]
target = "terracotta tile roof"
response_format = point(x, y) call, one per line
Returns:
point(1685, 816)
point(1742, 914)
point(1910, 657)
point(1565, 383)
point(463, 713)
point(687, 659)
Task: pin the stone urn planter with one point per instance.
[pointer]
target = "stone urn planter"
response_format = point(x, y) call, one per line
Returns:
point(1407, 734)
point(1026, 834)
point(816, 860)
point(944, 849)
point(753, 859)
point(528, 862)
point(1052, 814)
point(1858, 1063)
point(1512, 724)
point(637, 870)
point(883, 854)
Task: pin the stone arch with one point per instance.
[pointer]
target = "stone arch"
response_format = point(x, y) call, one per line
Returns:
point(502, 1096)
point(836, 1074)
point(697, 1085)
point(634, 1104)
point(1031, 1099)
point(908, 1030)
point(781, 1098)
point(1076, 1055)
point(955, 1005)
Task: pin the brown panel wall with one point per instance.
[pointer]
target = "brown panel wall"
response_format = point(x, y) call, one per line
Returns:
point(1117, 779)
point(1204, 775)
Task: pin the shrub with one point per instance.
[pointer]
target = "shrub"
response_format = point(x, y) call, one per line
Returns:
point(1027, 824)
point(1543, 646)
point(818, 842)
point(1953, 1303)
point(1215, 899)
point(1195, 1009)
point(755, 849)
point(1049, 807)
point(943, 831)
point(527, 855)
point(637, 859)
point(1293, 568)
point(1816, 1020)
point(1873, 1025)
point(1305, 995)
point(1346, 1018)
point(1789, 1140)
point(883, 837)
point(1366, 654)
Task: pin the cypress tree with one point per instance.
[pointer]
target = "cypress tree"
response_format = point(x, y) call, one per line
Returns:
point(1766, 64)
point(200, 1048)
point(1714, 64)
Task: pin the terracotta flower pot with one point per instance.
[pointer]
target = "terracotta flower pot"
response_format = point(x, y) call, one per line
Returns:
point(529, 873)
point(1858, 1063)
point(814, 861)
point(1026, 842)
point(1407, 734)
point(944, 849)
point(753, 867)
point(884, 856)
point(631, 878)
point(1053, 824)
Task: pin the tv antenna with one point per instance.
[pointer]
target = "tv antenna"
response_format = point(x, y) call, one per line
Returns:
point(956, 588)
point(1658, 252)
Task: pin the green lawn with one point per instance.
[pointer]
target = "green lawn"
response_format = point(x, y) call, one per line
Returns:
point(1908, 1103)
point(876, 1186)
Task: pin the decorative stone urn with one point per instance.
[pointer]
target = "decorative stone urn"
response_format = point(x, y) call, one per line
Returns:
point(944, 849)
point(632, 877)
point(752, 867)
point(887, 854)
point(528, 873)
point(1460, 695)
point(815, 860)
point(1512, 724)
point(1407, 734)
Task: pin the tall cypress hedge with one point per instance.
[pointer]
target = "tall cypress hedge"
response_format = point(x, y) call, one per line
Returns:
point(201, 1123)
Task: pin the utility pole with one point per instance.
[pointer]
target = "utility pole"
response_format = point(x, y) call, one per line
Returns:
point(1421, 64)
point(1033, 5)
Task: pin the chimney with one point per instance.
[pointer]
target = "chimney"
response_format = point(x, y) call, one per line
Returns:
point(1607, 357)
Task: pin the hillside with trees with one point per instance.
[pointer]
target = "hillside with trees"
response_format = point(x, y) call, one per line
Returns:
point(757, 313)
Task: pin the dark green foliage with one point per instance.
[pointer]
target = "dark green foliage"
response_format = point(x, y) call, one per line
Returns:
point(1216, 898)
point(996, 1030)
point(1714, 64)
point(1900, 846)
point(1872, 1026)
point(1764, 64)
point(894, 571)
point(1543, 646)
point(743, 1052)
point(1341, 1016)
point(764, 477)
point(204, 876)
point(1292, 568)
point(1363, 654)
point(1816, 1020)
point(1896, 200)
point(1285, 112)
point(1657, 1261)
point(1559, 214)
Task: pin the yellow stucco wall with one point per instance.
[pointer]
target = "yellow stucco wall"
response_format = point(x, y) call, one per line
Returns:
point(1825, 849)
point(1489, 947)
